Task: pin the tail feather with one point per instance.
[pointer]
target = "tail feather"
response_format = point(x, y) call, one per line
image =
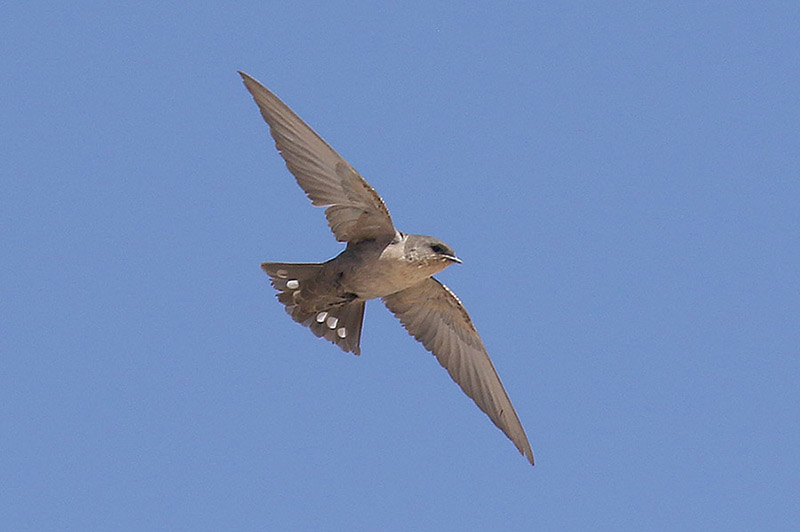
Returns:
point(337, 320)
point(340, 325)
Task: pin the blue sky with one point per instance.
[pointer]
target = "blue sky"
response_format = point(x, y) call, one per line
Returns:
point(622, 181)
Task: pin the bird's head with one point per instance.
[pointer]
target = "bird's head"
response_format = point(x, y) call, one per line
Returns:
point(429, 252)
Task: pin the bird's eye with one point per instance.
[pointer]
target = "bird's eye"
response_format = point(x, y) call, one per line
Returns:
point(438, 248)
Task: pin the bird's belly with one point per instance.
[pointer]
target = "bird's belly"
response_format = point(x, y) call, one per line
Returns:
point(381, 278)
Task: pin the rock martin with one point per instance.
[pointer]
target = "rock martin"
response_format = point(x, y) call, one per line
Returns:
point(378, 262)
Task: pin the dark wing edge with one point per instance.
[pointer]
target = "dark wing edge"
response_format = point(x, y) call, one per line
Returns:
point(434, 315)
point(355, 211)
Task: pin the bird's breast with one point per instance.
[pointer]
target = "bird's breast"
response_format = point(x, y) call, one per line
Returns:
point(372, 273)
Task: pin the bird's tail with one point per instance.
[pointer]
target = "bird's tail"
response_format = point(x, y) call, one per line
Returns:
point(338, 321)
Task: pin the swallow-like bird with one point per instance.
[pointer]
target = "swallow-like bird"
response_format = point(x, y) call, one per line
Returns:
point(378, 262)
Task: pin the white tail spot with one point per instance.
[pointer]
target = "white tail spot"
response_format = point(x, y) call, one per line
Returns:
point(321, 317)
point(332, 322)
point(342, 332)
point(283, 274)
point(292, 284)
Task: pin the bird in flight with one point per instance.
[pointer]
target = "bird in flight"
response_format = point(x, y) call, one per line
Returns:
point(378, 262)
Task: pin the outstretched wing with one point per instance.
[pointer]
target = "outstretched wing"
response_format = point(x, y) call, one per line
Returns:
point(435, 316)
point(355, 211)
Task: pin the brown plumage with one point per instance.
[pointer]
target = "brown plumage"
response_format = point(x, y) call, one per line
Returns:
point(379, 262)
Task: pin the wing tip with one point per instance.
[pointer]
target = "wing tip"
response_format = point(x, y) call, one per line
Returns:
point(528, 454)
point(524, 448)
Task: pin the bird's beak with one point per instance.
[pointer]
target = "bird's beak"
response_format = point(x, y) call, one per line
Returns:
point(453, 258)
